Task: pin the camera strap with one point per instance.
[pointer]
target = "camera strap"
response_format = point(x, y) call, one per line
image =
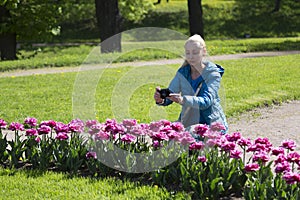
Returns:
point(183, 117)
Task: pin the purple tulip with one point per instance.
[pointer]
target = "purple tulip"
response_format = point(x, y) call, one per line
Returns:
point(202, 159)
point(61, 127)
point(15, 126)
point(50, 123)
point(156, 144)
point(293, 157)
point(91, 155)
point(95, 128)
point(31, 132)
point(186, 138)
point(32, 122)
point(281, 158)
point(90, 123)
point(159, 136)
point(291, 177)
point(233, 137)
point(76, 126)
point(128, 123)
point(243, 142)
point(102, 135)
point(236, 154)
point(38, 139)
point(197, 146)
point(288, 144)
point(261, 156)
point(277, 151)
point(44, 129)
point(228, 146)
point(177, 126)
point(217, 127)
point(128, 138)
point(3, 124)
point(251, 167)
point(201, 129)
point(282, 167)
point(62, 136)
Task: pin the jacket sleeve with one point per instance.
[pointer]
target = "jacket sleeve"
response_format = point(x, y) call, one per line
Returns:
point(207, 94)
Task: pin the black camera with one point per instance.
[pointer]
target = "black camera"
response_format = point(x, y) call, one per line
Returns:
point(164, 93)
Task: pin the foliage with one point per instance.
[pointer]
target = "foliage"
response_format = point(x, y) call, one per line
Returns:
point(135, 10)
point(32, 19)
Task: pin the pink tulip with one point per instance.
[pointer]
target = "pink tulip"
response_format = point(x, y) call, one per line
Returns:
point(31, 132)
point(32, 122)
point(62, 136)
point(288, 144)
point(233, 137)
point(244, 142)
point(91, 155)
point(282, 167)
point(202, 159)
point(291, 177)
point(50, 123)
point(3, 124)
point(197, 146)
point(44, 129)
point(277, 151)
point(15, 126)
point(251, 167)
point(102, 135)
point(237, 154)
point(128, 138)
point(201, 129)
point(186, 138)
point(261, 156)
point(293, 157)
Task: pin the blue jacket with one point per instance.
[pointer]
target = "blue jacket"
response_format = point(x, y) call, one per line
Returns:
point(204, 108)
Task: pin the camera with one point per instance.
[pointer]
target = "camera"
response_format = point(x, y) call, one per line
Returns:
point(164, 93)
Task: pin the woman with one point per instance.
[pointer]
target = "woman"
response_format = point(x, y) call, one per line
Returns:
point(195, 87)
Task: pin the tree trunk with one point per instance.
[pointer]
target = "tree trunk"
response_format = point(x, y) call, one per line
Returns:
point(8, 41)
point(277, 6)
point(195, 17)
point(109, 23)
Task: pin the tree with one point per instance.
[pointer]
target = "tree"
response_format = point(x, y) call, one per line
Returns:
point(26, 20)
point(7, 37)
point(196, 17)
point(277, 6)
point(110, 15)
point(109, 21)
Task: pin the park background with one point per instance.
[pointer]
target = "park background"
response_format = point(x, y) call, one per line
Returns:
point(229, 27)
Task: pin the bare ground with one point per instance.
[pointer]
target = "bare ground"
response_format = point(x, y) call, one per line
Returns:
point(276, 122)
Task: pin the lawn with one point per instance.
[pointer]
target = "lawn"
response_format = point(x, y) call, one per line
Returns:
point(127, 92)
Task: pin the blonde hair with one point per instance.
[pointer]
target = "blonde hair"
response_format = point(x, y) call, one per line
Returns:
point(198, 39)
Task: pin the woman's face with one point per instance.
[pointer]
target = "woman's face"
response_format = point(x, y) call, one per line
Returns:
point(193, 53)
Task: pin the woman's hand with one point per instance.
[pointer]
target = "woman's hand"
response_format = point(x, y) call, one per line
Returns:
point(157, 97)
point(176, 97)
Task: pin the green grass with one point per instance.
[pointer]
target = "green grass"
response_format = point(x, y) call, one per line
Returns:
point(141, 50)
point(127, 92)
point(49, 185)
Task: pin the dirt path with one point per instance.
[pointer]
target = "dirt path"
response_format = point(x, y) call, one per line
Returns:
point(53, 70)
point(276, 122)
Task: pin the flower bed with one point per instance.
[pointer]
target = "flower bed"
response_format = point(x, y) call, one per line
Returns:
point(204, 162)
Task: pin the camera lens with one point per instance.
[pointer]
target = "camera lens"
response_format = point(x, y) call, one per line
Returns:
point(164, 93)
